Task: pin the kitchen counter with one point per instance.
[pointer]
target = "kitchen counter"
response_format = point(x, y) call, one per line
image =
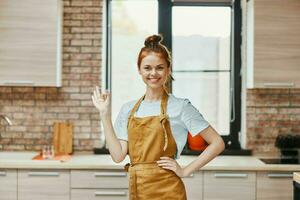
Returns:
point(296, 177)
point(23, 160)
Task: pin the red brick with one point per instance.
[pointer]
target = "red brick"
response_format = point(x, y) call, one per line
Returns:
point(91, 63)
point(80, 83)
point(5, 89)
point(91, 9)
point(82, 30)
point(81, 56)
point(91, 36)
point(71, 50)
point(68, 116)
point(57, 109)
point(97, 23)
point(71, 77)
point(81, 42)
point(22, 89)
point(81, 3)
point(90, 49)
point(72, 10)
point(70, 89)
point(80, 96)
point(72, 36)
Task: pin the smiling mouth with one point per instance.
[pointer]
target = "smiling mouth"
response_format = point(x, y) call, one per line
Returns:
point(153, 80)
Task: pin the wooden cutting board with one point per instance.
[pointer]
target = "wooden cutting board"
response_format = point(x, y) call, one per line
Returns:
point(63, 138)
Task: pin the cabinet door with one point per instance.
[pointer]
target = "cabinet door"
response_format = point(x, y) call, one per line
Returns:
point(275, 60)
point(30, 39)
point(99, 179)
point(193, 186)
point(43, 184)
point(274, 186)
point(8, 184)
point(229, 185)
point(94, 194)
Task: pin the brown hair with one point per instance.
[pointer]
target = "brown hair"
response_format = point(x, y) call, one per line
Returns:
point(153, 44)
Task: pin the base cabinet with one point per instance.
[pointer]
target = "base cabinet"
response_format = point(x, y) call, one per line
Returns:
point(229, 185)
point(99, 184)
point(93, 194)
point(26, 184)
point(193, 186)
point(8, 184)
point(43, 184)
point(274, 186)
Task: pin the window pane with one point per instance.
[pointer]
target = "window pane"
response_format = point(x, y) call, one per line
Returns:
point(132, 22)
point(209, 93)
point(205, 43)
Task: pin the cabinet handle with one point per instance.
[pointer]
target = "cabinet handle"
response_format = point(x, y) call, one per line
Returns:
point(2, 173)
point(43, 174)
point(279, 84)
point(114, 174)
point(190, 176)
point(231, 175)
point(16, 82)
point(111, 193)
point(279, 175)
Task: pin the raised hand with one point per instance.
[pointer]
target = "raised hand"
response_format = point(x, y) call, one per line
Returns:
point(102, 102)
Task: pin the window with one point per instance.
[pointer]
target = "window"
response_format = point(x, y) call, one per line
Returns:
point(204, 38)
point(131, 22)
point(201, 60)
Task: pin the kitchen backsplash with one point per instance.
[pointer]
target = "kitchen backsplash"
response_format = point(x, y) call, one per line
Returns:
point(33, 110)
point(271, 112)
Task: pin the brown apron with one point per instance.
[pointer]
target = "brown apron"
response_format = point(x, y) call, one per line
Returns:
point(149, 138)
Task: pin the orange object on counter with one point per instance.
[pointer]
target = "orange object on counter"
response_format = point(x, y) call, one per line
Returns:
point(197, 142)
point(62, 158)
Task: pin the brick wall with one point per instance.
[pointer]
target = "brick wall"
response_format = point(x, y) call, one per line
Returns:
point(33, 110)
point(271, 112)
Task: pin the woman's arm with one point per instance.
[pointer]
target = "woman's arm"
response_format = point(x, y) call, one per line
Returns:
point(117, 148)
point(215, 147)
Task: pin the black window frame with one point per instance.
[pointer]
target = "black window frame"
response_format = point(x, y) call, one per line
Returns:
point(165, 28)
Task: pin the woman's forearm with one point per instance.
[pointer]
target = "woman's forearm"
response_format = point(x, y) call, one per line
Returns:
point(113, 143)
point(213, 149)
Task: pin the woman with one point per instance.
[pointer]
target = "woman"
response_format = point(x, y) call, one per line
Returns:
point(153, 130)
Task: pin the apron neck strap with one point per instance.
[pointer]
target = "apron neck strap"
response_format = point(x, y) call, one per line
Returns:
point(163, 104)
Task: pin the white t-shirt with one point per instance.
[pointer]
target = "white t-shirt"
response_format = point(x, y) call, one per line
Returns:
point(183, 117)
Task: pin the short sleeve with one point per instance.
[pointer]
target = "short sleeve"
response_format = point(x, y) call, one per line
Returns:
point(192, 118)
point(120, 124)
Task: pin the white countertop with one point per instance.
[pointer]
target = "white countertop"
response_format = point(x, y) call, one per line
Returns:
point(296, 177)
point(23, 160)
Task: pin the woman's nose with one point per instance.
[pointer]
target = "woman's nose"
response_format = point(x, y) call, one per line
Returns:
point(153, 71)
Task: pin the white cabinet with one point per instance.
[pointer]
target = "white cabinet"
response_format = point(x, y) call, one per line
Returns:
point(99, 184)
point(273, 43)
point(194, 185)
point(30, 38)
point(8, 184)
point(43, 184)
point(229, 185)
point(274, 186)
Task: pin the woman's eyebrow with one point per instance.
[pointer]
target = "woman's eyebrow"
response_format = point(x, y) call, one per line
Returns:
point(155, 66)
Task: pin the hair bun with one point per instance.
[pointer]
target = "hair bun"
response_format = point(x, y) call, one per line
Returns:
point(153, 40)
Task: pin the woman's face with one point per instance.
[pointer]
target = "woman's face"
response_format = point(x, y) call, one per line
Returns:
point(154, 70)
